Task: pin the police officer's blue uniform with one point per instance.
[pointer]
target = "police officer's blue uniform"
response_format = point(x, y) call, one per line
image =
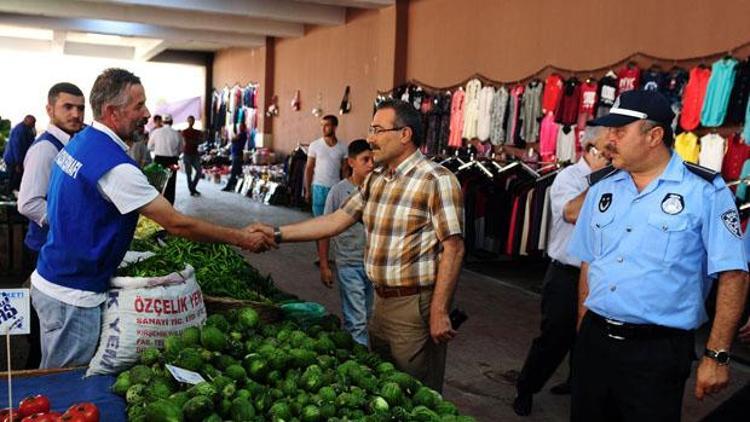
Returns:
point(652, 257)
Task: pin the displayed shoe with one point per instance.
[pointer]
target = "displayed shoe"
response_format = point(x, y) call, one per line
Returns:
point(226, 189)
point(522, 404)
point(561, 389)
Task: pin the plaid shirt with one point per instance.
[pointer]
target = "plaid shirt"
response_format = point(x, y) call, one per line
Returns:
point(406, 214)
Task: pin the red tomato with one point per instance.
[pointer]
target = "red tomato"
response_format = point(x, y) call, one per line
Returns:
point(88, 412)
point(43, 417)
point(5, 415)
point(33, 405)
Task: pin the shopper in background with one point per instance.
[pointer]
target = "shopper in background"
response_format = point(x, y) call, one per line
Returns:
point(166, 144)
point(652, 236)
point(237, 151)
point(190, 157)
point(157, 122)
point(95, 196)
point(65, 108)
point(325, 158)
point(412, 210)
point(139, 150)
point(354, 287)
point(20, 139)
point(560, 287)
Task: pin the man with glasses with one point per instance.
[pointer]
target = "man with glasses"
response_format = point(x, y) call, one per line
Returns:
point(412, 210)
point(653, 234)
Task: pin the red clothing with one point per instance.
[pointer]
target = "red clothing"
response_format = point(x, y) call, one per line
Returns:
point(628, 79)
point(193, 138)
point(552, 92)
point(567, 108)
point(692, 97)
point(588, 103)
point(734, 158)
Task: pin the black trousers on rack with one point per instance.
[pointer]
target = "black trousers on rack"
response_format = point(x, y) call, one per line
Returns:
point(558, 328)
point(167, 162)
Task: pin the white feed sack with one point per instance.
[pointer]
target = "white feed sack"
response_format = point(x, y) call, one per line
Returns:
point(140, 313)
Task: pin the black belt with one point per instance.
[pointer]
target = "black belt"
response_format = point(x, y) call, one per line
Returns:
point(564, 266)
point(619, 330)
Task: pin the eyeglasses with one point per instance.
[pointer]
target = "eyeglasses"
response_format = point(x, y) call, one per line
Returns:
point(375, 130)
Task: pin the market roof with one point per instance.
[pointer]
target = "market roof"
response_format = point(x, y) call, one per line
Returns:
point(146, 27)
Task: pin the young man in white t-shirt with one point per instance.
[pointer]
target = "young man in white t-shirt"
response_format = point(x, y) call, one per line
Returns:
point(325, 158)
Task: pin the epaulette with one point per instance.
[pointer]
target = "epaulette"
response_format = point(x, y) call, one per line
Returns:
point(704, 173)
point(601, 174)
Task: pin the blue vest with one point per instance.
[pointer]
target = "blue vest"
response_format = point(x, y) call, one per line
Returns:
point(37, 235)
point(88, 237)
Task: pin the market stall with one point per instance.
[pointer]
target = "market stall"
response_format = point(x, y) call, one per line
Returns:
point(238, 349)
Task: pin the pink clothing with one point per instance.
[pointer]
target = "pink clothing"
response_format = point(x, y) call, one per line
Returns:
point(457, 119)
point(548, 137)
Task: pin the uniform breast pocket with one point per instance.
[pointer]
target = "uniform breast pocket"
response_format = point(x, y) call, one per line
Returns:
point(667, 237)
point(600, 227)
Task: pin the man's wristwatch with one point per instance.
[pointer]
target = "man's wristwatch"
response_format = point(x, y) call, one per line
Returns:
point(277, 234)
point(720, 356)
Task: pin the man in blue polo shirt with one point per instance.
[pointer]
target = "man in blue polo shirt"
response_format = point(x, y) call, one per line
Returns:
point(653, 234)
point(96, 193)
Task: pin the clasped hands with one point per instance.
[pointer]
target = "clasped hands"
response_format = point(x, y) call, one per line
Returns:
point(257, 237)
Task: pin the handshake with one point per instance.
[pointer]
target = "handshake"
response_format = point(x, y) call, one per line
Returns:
point(257, 238)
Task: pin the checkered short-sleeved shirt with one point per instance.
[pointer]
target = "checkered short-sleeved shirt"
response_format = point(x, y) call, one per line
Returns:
point(406, 214)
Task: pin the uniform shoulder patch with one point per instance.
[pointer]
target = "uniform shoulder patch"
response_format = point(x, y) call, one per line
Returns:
point(704, 173)
point(601, 174)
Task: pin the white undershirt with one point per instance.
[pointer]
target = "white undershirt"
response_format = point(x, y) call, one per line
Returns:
point(128, 189)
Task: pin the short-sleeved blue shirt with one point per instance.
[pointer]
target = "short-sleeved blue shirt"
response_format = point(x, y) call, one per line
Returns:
point(653, 255)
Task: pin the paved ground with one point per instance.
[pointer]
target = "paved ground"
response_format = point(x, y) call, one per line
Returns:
point(492, 345)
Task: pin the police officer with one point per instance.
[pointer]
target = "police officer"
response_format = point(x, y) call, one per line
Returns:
point(653, 235)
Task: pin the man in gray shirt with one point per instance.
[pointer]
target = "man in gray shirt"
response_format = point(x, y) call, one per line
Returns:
point(560, 287)
point(354, 286)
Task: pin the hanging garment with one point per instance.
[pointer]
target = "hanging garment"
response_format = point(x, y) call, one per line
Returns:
point(531, 112)
point(741, 193)
point(740, 93)
point(588, 103)
point(548, 137)
point(653, 80)
point(497, 116)
point(513, 125)
point(686, 145)
point(567, 108)
point(566, 144)
point(675, 85)
point(718, 91)
point(692, 98)
point(552, 92)
point(457, 119)
point(737, 153)
point(485, 113)
point(606, 95)
point(471, 109)
point(628, 79)
point(712, 151)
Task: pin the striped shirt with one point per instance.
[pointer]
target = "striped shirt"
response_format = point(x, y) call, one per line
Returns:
point(407, 213)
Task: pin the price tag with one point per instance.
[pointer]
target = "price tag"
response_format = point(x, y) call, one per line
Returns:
point(183, 375)
point(15, 308)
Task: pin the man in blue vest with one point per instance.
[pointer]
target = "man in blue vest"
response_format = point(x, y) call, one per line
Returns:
point(95, 194)
point(19, 141)
point(65, 107)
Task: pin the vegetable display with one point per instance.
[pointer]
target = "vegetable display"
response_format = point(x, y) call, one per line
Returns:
point(219, 269)
point(257, 372)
